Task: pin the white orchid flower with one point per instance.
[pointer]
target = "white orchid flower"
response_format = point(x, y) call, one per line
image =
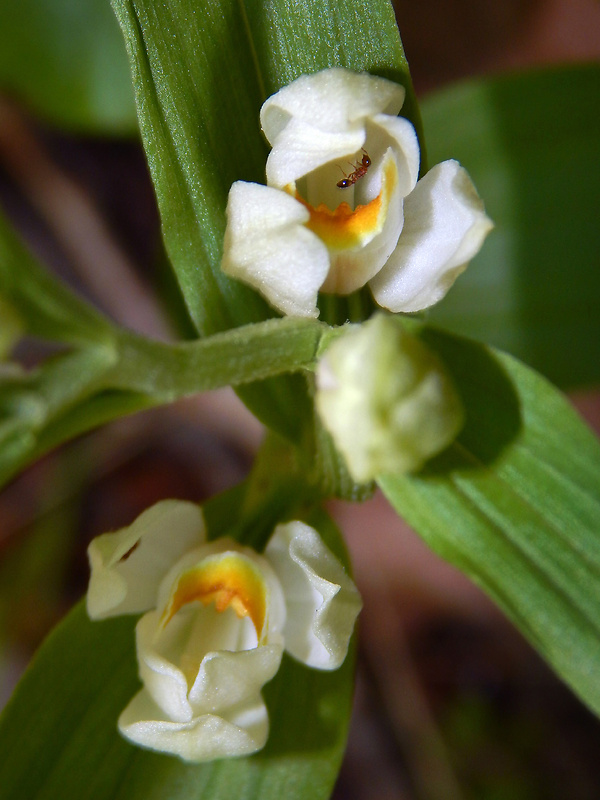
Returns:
point(219, 617)
point(342, 206)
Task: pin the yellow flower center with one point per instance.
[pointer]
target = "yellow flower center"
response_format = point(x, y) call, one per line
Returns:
point(228, 581)
point(347, 228)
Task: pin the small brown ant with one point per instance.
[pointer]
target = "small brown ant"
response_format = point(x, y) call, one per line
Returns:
point(359, 171)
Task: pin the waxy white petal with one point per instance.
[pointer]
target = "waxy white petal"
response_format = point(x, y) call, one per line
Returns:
point(332, 100)
point(203, 644)
point(235, 732)
point(301, 149)
point(267, 246)
point(384, 131)
point(322, 601)
point(128, 565)
point(338, 126)
point(228, 678)
point(444, 227)
point(163, 679)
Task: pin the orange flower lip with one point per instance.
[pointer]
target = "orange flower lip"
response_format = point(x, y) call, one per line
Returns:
point(228, 580)
point(348, 229)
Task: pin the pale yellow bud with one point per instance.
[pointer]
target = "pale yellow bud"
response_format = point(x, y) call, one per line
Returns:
point(386, 399)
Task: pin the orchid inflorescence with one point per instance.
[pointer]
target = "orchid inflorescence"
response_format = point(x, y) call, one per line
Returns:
point(343, 207)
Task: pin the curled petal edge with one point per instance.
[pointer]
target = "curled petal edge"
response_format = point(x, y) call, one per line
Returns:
point(267, 246)
point(322, 600)
point(224, 678)
point(236, 732)
point(128, 565)
point(445, 225)
point(332, 100)
point(300, 149)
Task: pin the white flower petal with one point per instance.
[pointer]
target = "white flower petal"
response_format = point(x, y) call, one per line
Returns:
point(163, 679)
point(301, 149)
point(398, 132)
point(322, 601)
point(217, 679)
point(228, 678)
point(128, 565)
point(268, 247)
point(444, 227)
point(338, 127)
point(236, 732)
point(331, 100)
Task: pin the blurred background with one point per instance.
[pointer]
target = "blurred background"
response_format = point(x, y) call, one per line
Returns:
point(452, 703)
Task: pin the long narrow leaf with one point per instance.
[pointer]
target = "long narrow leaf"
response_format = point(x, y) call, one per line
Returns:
point(515, 503)
point(65, 60)
point(46, 307)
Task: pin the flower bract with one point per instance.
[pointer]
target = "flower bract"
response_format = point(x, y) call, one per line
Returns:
point(218, 618)
point(343, 205)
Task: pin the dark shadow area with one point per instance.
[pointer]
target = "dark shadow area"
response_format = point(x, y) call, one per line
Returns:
point(446, 40)
point(492, 407)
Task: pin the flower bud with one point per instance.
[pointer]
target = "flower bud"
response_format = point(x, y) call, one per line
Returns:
point(386, 399)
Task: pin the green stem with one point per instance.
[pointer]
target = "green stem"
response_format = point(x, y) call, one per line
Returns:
point(239, 356)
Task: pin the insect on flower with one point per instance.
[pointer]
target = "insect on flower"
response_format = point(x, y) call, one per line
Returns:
point(359, 171)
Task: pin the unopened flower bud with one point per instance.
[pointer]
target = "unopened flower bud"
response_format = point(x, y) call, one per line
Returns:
point(386, 399)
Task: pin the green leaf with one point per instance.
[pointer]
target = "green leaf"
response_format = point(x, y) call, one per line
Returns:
point(45, 306)
point(59, 739)
point(530, 142)
point(66, 61)
point(11, 328)
point(515, 503)
point(35, 566)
